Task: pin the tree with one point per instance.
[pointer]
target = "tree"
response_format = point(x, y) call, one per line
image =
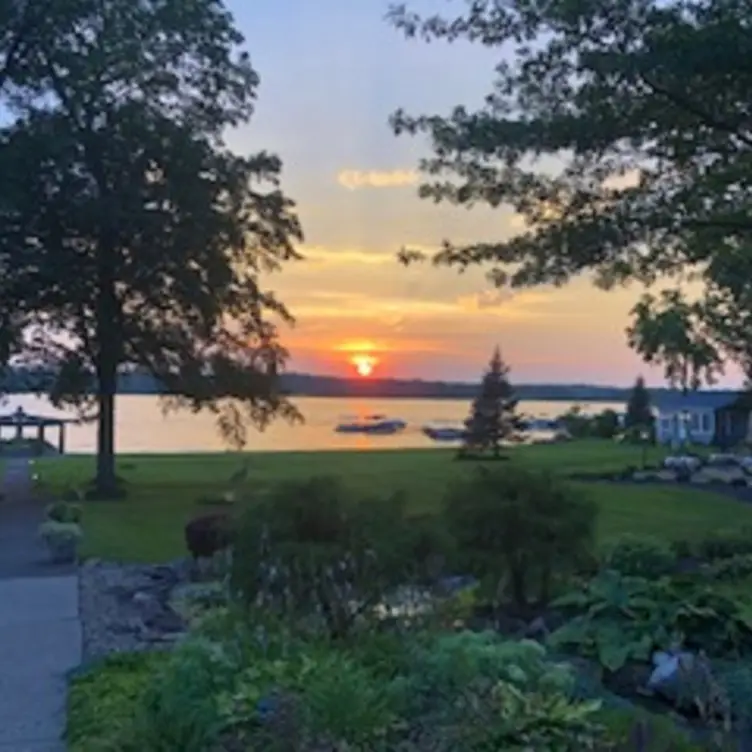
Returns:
point(605, 425)
point(639, 414)
point(620, 132)
point(493, 414)
point(129, 234)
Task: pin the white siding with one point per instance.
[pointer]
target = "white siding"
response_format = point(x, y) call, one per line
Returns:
point(700, 424)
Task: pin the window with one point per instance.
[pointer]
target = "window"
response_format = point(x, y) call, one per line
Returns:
point(706, 423)
point(694, 421)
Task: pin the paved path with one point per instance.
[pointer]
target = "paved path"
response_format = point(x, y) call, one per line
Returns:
point(40, 633)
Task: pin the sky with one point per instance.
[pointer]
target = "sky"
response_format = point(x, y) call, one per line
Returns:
point(331, 74)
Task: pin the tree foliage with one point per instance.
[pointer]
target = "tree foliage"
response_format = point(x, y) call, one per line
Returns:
point(129, 233)
point(493, 414)
point(621, 132)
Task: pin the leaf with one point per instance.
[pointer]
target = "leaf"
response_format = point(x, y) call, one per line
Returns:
point(575, 599)
point(573, 632)
point(612, 654)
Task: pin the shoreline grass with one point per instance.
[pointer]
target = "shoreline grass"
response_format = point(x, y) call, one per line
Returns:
point(164, 490)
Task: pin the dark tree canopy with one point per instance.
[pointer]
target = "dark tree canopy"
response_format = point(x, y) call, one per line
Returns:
point(493, 414)
point(639, 414)
point(129, 234)
point(621, 131)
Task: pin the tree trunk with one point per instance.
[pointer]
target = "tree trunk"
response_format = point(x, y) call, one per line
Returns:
point(106, 480)
point(107, 361)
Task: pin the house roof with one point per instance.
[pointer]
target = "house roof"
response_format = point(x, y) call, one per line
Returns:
point(710, 400)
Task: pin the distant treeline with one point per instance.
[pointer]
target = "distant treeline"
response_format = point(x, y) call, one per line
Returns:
point(309, 385)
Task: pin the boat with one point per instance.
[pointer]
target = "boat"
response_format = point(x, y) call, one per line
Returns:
point(372, 424)
point(444, 431)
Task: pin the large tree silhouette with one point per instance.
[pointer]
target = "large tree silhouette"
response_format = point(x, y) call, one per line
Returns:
point(621, 134)
point(129, 233)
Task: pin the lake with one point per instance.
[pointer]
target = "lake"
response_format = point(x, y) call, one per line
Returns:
point(141, 426)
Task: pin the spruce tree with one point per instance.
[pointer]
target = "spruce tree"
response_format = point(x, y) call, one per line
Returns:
point(639, 416)
point(493, 415)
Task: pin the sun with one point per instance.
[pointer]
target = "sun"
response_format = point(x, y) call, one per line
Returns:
point(364, 364)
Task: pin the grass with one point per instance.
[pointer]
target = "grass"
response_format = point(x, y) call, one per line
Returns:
point(164, 490)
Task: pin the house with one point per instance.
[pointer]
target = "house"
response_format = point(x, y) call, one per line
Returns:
point(713, 417)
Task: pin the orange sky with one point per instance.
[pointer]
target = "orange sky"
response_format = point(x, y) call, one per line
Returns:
point(324, 110)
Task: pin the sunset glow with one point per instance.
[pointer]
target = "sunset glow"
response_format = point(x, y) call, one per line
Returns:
point(364, 364)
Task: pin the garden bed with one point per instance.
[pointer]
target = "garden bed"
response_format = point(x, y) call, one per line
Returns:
point(542, 644)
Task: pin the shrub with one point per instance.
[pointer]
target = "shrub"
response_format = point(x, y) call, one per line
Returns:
point(207, 535)
point(640, 556)
point(445, 666)
point(180, 707)
point(307, 548)
point(523, 525)
point(62, 511)
point(103, 698)
point(638, 731)
point(497, 694)
point(723, 544)
point(736, 568)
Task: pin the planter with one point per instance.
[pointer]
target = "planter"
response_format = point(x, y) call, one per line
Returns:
point(61, 539)
point(63, 551)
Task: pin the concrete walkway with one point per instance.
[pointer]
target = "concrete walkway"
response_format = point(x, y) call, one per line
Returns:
point(40, 633)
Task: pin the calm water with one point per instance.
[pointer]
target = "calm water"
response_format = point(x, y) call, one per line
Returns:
point(141, 426)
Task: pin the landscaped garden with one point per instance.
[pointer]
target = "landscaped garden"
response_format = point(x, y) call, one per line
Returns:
point(403, 601)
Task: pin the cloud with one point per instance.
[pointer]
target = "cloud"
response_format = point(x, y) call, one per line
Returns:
point(506, 304)
point(355, 179)
point(323, 256)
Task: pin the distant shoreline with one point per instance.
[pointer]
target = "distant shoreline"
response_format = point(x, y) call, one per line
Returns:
point(311, 385)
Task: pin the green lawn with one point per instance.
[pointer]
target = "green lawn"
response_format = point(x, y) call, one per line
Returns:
point(164, 490)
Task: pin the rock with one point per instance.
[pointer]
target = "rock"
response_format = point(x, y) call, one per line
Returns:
point(537, 628)
point(126, 607)
point(643, 476)
point(130, 625)
point(666, 476)
point(684, 679)
point(166, 620)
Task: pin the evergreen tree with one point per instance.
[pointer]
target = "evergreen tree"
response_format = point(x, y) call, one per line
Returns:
point(639, 414)
point(493, 415)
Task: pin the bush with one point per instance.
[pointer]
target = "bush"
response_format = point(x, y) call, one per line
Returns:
point(309, 549)
point(724, 544)
point(207, 535)
point(638, 731)
point(62, 511)
point(496, 694)
point(103, 698)
point(180, 707)
point(520, 524)
point(735, 568)
point(640, 556)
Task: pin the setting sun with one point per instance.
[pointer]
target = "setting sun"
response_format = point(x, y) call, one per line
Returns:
point(364, 364)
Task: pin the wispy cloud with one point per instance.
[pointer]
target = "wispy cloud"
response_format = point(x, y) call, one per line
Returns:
point(355, 179)
point(325, 256)
point(506, 304)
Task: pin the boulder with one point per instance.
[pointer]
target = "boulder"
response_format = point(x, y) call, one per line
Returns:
point(687, 681)
point(724, 474)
